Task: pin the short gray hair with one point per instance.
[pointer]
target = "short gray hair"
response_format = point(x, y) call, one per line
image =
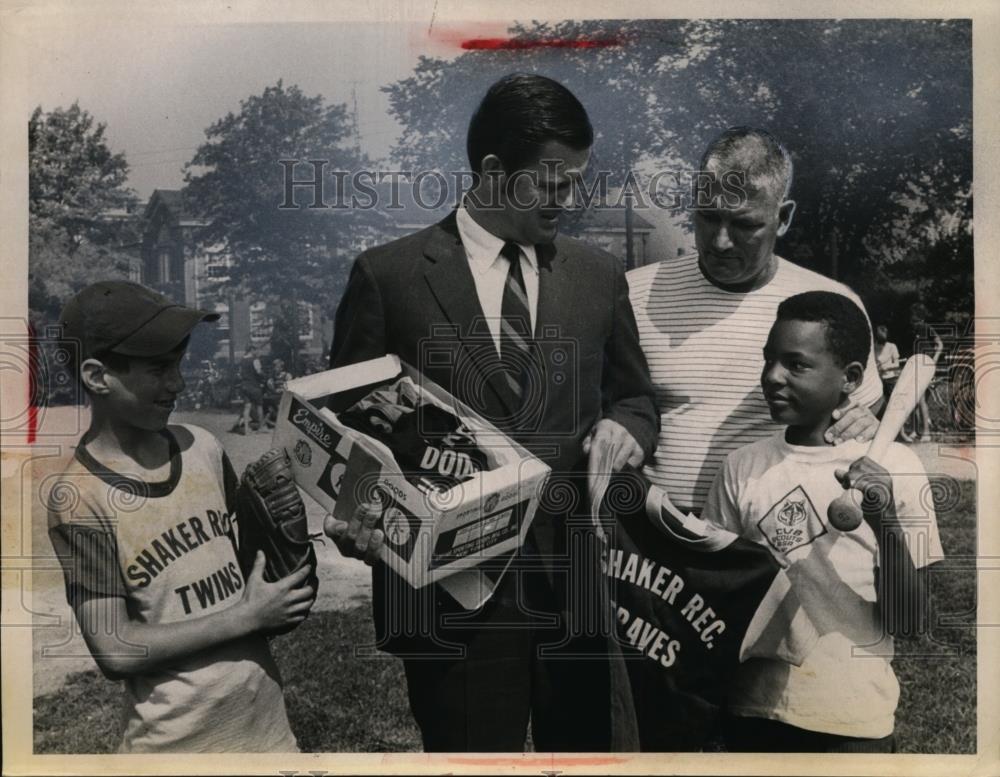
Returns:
point(756, 152)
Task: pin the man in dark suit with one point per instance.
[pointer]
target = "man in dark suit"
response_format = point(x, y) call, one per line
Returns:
point(536, 333)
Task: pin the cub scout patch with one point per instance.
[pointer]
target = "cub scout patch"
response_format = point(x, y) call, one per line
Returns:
point(792, 522)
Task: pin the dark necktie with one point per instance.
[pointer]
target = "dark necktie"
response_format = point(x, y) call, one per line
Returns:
point(515, 327)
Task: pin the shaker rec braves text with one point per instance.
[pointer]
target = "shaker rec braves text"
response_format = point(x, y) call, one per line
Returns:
point(664, 583)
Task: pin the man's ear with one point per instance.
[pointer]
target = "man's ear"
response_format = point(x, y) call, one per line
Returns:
point(492, 166)
point(785, 212)
point(93, 375)
point(487, 189)
point(854, 373)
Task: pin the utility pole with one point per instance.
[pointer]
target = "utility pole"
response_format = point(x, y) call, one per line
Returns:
point(354, 102)
point(629, 255)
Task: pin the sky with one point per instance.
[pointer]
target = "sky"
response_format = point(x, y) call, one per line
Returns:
point(157, 87)
point(158, 81)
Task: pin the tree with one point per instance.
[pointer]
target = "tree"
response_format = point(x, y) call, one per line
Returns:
point(868, 110)
point(435, 104)
point(75, 183)
point(876, 113)
point(236, 182)
point(285, 329)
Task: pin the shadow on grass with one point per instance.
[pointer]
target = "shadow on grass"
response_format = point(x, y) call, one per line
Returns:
point(937, 672)
point(338, 702)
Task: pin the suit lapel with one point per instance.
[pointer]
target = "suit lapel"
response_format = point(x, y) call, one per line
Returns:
point(555, 292)
point(450, 279)
point(555, 309)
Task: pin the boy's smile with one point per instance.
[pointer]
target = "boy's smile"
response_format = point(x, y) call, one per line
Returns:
point(802, 380)
point(145, 394)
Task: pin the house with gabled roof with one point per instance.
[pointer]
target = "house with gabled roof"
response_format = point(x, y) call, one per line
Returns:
point(176, 264)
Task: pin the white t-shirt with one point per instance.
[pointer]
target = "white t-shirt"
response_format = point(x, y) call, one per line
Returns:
point(888, 357)
point(704, 348)
point(167, 548)
point(777, 495)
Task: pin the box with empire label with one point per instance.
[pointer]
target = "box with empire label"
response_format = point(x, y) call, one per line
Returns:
point(450, 507)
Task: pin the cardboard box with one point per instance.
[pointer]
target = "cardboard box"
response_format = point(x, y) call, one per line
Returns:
point(429, 537)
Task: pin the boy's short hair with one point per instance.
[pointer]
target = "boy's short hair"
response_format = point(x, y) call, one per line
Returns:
point(848, 335)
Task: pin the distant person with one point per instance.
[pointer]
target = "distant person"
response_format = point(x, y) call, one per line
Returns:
point(212, 379)
point(920, 421)
point(887, 359)
point(702, 319)
point(842, 697)
point(309, 365)
point(886, 354)
point(275, 386)
point(203, 392)
point(252, 389)
point(159, 594)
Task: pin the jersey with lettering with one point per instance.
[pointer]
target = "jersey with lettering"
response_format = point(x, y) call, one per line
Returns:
point(692, 601)
point(167, 549)
point(777, 494)
point(434, 449)
point(704, 349)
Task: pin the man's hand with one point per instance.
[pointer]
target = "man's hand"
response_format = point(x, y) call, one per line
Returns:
point(853, 422)
point(357, 538)
point(610, 441)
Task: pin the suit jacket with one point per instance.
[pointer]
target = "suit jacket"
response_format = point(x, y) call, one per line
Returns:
point(415, 297)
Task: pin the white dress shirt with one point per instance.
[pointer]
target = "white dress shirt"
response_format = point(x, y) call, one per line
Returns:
point(489, 271)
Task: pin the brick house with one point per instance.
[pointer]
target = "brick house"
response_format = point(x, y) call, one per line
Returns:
point(605, 228)
point(173, 263)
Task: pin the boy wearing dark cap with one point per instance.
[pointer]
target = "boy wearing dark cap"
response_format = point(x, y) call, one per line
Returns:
point(858, 588)
point(141, 521)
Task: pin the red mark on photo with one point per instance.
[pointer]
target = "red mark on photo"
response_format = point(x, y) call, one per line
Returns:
point(520, 44)
point(32, 385)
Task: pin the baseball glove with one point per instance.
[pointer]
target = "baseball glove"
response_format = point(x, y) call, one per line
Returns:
point(271, 517)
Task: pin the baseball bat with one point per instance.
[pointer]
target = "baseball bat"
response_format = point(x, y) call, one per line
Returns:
point(844, 512)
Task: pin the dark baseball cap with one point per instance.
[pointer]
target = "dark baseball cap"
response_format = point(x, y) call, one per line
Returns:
point(127, 318)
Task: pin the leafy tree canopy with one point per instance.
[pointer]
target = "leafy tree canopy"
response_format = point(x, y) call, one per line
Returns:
point(77, 198)
point(236, 183)
point(877, 115)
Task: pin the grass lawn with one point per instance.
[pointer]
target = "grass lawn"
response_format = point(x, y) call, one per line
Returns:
point(338, 702)
point(937, 673)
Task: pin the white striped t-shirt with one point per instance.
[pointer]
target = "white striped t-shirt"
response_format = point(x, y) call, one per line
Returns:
point(704, 348)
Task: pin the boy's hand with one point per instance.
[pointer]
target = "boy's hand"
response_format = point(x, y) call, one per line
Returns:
point(280, 606)
point(852, 422)
point(871, 479)
point(357, 538)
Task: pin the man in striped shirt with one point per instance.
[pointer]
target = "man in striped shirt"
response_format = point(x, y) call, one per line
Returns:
point(703, 319)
